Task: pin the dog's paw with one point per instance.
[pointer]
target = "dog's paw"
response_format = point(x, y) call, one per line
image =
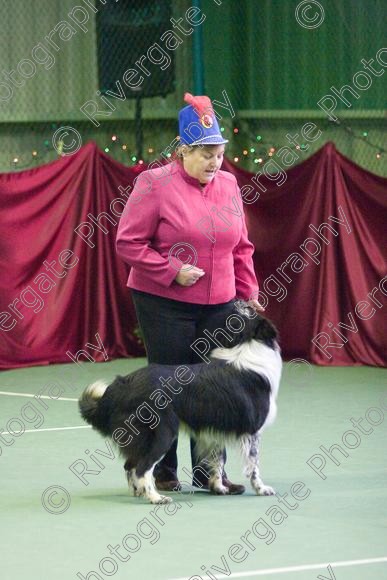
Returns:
point(265, 490)
point(159, 499)
point(219, 489)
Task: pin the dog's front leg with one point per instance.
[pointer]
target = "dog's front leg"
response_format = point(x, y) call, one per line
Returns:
point(129, 476)
point(252, 466)
point(215, 463)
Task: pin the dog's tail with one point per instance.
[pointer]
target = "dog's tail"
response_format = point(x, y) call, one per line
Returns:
point(89, 401)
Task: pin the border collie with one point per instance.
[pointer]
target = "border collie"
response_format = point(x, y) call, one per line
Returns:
point(233, 396)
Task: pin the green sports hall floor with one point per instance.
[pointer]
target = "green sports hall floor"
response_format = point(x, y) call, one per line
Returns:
point(341, 521)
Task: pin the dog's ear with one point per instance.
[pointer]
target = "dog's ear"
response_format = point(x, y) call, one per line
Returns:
point(265, 331)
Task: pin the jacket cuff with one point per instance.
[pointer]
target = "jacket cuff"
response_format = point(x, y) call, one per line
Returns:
point(247, 294)
point(166, 279)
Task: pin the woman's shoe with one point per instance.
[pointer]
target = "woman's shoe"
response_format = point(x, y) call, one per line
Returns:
point(172, 485)
point(233, 488)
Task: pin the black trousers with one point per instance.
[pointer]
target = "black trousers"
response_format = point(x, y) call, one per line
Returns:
point(169, 327)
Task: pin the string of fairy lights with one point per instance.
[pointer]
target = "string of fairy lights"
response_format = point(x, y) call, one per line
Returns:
point(258, 151)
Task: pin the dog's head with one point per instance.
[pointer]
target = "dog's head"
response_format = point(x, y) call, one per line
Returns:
point(264, 331)
point(246, 324)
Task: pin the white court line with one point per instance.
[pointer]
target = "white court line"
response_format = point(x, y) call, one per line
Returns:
point(50, 429)
point(35, 396)
point(297, 568)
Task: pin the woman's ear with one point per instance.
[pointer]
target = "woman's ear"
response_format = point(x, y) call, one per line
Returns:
point(183, 150)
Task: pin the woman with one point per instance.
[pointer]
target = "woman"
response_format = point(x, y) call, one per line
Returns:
point(183, 232)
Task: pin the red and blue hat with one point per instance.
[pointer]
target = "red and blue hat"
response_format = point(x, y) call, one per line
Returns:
point(198, 124)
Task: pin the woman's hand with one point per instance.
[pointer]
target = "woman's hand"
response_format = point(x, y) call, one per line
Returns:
point(256, 306)
point(189, 275)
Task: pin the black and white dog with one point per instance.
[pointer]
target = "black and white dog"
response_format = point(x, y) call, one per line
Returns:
point(233, 396)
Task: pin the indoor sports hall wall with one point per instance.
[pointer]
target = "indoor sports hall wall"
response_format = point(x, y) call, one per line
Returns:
point(274, 70)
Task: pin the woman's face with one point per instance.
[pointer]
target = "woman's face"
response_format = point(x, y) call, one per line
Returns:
point(203, 162)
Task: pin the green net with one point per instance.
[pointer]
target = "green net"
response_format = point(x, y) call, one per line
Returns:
point(72, 71)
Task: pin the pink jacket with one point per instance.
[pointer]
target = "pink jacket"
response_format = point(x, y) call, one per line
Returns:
point(170, 220)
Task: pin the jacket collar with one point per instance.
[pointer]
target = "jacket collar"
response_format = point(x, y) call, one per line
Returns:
point(191, 180)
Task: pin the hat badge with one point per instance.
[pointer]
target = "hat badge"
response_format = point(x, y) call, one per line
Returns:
point(206, 121)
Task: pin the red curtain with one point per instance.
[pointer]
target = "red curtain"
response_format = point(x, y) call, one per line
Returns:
point(313, 293)
point(63, 291)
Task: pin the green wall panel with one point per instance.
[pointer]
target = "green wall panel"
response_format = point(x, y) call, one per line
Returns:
point(259, 53)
